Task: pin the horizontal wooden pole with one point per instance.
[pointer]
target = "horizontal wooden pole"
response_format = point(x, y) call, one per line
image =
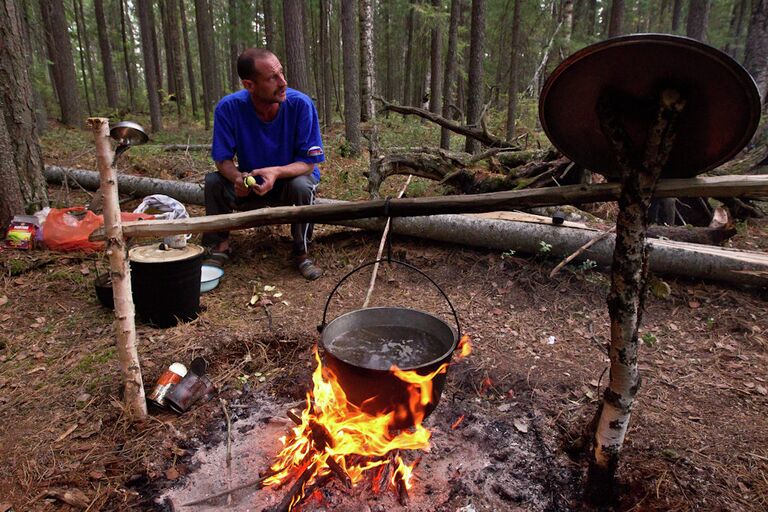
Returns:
point(721, 186)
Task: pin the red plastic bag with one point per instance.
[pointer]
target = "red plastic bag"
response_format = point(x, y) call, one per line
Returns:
point(64, 231)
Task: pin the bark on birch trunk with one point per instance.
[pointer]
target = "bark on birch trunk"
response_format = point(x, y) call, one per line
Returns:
point(133, 385)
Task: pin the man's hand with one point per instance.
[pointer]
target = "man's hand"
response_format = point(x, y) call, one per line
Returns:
point(241, 190)
point(268, 177)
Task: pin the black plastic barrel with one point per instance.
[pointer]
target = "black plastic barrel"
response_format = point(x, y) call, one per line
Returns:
point(166, 283)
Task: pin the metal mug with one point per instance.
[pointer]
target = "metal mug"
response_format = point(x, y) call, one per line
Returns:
point(186, 393)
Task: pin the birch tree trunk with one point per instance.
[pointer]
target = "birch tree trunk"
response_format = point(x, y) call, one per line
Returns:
point(628, 281)
point(367, 62)
point(133, 385)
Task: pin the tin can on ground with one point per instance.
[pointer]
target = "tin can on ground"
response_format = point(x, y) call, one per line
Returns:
point(192, 388)
point(170, 377)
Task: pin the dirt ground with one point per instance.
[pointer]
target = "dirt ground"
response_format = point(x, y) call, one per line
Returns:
point(698, 438)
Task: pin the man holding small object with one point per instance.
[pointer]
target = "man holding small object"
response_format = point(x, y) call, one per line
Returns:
point(274, 134)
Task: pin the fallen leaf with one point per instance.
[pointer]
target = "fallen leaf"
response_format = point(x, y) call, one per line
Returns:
point(73, 497)
point(84, 270)
point(694, 304)
point(97, 475)
point(269, 288)
point(5, 318)
point(5, 507)
point(172, 473)
point(761, 390)
point(35, 370)
point(521, 425)
point(278, 295)
point(3, 300)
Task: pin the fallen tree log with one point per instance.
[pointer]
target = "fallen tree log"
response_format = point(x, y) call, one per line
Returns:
point(187, 147)
point(673, 258)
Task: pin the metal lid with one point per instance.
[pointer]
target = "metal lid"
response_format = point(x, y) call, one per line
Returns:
point(129, 133)
point(154, 254)
point(722, 102)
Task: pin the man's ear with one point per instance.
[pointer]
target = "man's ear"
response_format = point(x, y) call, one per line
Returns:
point(247, 84)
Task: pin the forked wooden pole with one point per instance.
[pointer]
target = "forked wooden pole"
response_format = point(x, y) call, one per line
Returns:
point(133, 385)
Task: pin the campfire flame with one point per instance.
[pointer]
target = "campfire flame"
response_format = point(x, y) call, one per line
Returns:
point(336, 437)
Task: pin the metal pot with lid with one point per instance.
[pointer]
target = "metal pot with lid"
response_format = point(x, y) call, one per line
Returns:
point(166, 283)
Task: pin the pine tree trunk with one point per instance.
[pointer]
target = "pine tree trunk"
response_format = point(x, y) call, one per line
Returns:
point(88, 55)
point(476, 82)
point(144, 11)
point(677, 15)
point(60, 54)
point(21, 163)
point(351, 73)
point(408, 67)
point(513, 72)
point(108, 68)
point(736, 29)
point(155, 46)
point(616, 24)
point(81, 54)
point(307, 37)
point(295, 60)
point(173, 48)
point(327, 68)
point(205, 44)
point(269, 25)
point(756, 51)
point(389, 85)
point(450, 71)
point(188, 56)
point(126, 56)
point(367, 62)
point(698, 19)
point(436, 65)
point(234, 49)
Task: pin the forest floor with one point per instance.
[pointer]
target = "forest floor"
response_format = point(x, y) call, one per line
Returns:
point(698, 438)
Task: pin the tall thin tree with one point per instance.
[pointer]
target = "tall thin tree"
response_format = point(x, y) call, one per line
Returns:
point(205, 45)
point(60, 54)
point(327, 68)
point(295, 60)
point(81, 54)
point(408, 67)
point(677, 15)
point(269, 25)
point(616, 24)
point(475, 93)
point(144, 11)
point(756, 51)
point(108, 67)
point(450, 70)
point(514, 54)
point(367, 61)
point(350, 39)
point(127, 55)
point(191, 74)
point(436, 63)
point(21, 162)
point(698, 19)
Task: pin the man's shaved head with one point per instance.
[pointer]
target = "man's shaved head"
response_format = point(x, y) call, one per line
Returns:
point(246, 62)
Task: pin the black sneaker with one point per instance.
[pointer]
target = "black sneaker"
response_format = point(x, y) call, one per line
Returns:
point(307, 267)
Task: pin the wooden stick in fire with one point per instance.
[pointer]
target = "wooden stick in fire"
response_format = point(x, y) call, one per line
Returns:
point(322, 439)
point(258, 483)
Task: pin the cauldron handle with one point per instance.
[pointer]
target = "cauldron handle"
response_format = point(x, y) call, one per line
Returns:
point(388, 260)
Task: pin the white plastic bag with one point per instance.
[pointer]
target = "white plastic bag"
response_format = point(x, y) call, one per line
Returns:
point(169, 209)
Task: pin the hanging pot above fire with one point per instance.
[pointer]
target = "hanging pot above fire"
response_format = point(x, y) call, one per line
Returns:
point(361, 346)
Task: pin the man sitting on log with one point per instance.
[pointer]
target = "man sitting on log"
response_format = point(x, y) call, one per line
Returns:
point(274, 133)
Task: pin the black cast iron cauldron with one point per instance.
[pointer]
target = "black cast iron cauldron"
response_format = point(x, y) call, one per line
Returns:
point(355, 350)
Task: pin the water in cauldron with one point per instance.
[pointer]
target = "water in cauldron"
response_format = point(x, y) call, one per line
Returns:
point(379, 347)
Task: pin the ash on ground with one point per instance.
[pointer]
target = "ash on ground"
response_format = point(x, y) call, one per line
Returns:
point(494, 459)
